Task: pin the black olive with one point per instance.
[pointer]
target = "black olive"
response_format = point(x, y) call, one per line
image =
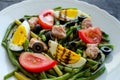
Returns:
point(37, 28)
point(49, 36)
point(62, 22)
point(71, 44)
point(37, 47)
point(106, 50)
point(75, 33)
point(81, 18)
point(22, 19)
point(71, 23)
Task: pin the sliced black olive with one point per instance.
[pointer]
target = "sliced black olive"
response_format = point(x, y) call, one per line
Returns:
point(49, 36)
point(106, 50)
point(37, 28)
point(37, 47)
point(81, 18)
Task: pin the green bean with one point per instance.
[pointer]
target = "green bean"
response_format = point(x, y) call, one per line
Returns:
point(17, 22)
point(11, 56)
point(30, 16)
point(36, 75)
point(84, 54)
point(79, 51)
point(4, 44)
point(91, 61)
point(26, 45)
point(98, 73)
point(50, 76)
point(68, 69)
point(95, 66)
point(105, 37)
point(43, 38)
point(57, 8)
point(10, 27)
point(105, 34)
point(82, 79)
point(63, 77)
point(43, 75)
point(94, 75)
point(34, 35)
point(102, 59)
point(58, 71)
point(52, 72)
point(20, 76)
point(10, 74)
point(42, 32)
point(69, 32)
point(108, 45)
point(79, 74)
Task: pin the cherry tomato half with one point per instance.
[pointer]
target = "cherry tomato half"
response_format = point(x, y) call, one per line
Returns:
point(46, 19)
point(91, 35)
point(35, 62)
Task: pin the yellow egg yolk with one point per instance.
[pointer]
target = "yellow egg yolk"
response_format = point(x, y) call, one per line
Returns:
point(19, 36)
point(71, 13)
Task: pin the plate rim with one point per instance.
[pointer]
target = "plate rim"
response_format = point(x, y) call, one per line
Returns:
point(76, 1)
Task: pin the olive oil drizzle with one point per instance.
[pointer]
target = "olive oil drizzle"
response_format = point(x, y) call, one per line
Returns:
point(67, 59)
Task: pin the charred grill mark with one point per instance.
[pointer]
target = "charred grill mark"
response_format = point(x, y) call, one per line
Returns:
point(67, 59)
point(56, 56)
point(64, 50)
point(59, 14)
point(63, 54)
point(65, 15)
point(57, 51)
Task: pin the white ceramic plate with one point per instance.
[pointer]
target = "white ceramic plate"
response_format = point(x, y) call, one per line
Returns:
point(99, 17)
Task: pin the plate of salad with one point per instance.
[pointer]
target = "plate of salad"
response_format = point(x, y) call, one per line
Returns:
point(58, 40)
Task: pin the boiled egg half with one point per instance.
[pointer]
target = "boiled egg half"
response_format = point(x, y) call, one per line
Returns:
point(69, 14)
point(19, 36)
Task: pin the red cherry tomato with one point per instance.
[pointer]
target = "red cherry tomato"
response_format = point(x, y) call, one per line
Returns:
point(46, 19)
point(34, 62)
point(91, 35)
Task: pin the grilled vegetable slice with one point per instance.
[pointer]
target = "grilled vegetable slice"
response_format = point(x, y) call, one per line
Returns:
point(65, 55)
